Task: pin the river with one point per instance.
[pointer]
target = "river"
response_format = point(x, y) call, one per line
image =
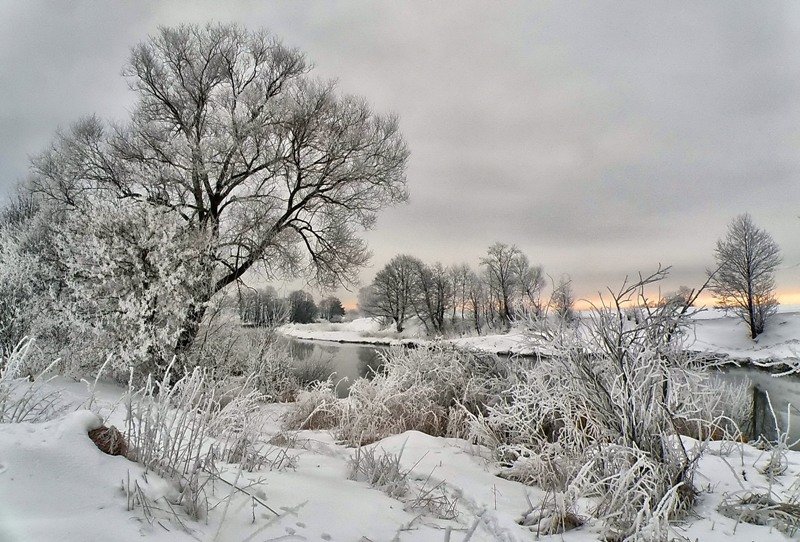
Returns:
point(348, 361)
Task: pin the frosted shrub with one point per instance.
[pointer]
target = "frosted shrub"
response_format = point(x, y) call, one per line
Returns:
point(421, 389)
point(383, 406)
point(130, 272)
point(706, 407)
point(227, 349)
point(317, 407)
point(600, 416)
point(425, 389)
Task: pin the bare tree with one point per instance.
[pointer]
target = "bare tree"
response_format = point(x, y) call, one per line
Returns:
point(530, 282)
point(265, 165)
point(562, 300)
point(514, 285)
point(476, 299)
point(391, 293)
point(501, 276)
point(432, 295)
point(263, 307)
point(459, 277)
point(745, 277)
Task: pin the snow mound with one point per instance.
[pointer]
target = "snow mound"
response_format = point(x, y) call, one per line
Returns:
point(55, 484)
point(722, 334)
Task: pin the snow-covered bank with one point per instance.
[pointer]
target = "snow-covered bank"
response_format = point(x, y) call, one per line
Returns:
point(714, 331)
point(720, 333)
point(56, 485)
point(358, 331)
point(369, 331)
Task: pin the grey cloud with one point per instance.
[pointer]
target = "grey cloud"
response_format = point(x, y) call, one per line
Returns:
point(602, 138)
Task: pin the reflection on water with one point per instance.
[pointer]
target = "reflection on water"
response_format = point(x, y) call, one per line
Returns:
point(784, 396)
point(346, 362)
point(301, 350)
point(370, 360)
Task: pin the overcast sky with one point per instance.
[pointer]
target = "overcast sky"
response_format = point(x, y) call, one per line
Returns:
point(603, 139)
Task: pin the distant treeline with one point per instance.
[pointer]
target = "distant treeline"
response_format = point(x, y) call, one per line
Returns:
point(264, 307)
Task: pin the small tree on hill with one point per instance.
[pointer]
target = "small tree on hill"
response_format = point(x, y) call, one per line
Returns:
point(745, 277)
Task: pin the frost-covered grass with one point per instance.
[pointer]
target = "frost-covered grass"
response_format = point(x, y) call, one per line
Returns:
point(24, 398)
point(601, 417)
point(427, 389)
point(54, 480)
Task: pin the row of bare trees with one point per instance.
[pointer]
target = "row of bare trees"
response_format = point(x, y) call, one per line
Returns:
point(505, 287)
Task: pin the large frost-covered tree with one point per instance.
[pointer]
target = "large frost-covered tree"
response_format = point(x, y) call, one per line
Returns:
point(240, 149)
point(747, 258)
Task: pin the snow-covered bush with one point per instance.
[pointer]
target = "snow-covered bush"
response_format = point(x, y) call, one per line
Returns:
point(30, 280)
point(225, 349)
point(600, 416)
point(317, 407)
point(130, 271)
point(424, 389)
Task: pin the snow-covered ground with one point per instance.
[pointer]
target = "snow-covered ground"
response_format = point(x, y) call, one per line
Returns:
point(56, 485)
point(369, 331)
point(722, 333)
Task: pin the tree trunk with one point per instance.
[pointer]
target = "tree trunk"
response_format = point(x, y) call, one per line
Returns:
point(751, 313)
point(190, 327)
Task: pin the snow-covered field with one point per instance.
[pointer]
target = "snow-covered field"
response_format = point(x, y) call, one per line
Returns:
point(56, 485)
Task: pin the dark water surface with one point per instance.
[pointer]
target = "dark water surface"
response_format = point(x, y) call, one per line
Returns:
point(347, 361)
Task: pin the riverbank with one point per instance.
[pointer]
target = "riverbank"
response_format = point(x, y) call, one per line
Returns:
point(367, 331)
point(714, 332)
